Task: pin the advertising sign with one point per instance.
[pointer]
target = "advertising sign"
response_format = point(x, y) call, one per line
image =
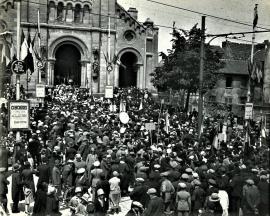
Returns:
point(40, 90)
point(109, 92)
point(18, 115)
point(249, 111)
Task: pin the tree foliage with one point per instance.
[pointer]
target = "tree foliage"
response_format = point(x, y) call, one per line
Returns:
point(181, 66)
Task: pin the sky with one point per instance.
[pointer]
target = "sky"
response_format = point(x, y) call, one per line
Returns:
point(238, 10)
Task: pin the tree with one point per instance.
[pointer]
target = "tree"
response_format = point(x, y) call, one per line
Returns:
point(180, 69)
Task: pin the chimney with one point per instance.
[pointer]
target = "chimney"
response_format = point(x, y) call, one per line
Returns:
point(133, 12)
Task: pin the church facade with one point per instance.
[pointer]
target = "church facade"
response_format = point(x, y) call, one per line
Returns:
point(92, 43)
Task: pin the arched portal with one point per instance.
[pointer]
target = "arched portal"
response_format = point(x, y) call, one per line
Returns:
point(67, 65)
point(128, 70)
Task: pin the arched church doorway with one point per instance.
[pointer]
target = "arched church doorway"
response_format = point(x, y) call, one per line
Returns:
point(67, 65)
point(128, 70)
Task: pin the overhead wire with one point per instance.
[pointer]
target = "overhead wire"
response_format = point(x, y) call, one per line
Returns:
point(205, 14)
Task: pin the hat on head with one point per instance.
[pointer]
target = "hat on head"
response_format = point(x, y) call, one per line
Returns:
point(156, 166)
point(100, 192)
point(139, 180)
point(195, 175)
point(164, 174)
point(51, 190)
point(96, 164)
point(188, 170)
point(264, 177)
point(211, 171)
point(214, 197)
point(212, 182)
point(81, 171)
point(250, 181)
point(16, 166)
point(151, 191)
point(85, 197)
point(196, 182)
point(2, 169)
point(78, 190)
point(182, 185)
point(115, 173)
point(184, 176)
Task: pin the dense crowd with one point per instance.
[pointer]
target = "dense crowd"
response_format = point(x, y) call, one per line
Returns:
point(86, 159)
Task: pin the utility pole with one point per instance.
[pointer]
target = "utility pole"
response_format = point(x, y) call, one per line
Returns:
point(201, 76)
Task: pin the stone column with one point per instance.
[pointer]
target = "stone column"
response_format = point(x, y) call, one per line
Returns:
point(50, 72)
point(89, 76)
point(84, 74)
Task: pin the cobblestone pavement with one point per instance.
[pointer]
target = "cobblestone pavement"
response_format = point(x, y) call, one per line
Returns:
point(125, 204)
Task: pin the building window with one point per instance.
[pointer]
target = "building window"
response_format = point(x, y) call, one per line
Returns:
point(60, 8)
point(228, 82)
point(149, 45)
point(129, 36)
point(77, 14)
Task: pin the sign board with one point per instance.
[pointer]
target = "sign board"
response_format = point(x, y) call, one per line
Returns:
point(40, 64)
point(40, 90)
point(249, 111)
point(124, 117)
point(109, 92)
point(150, 126)
point(18, 67)
point(18, 115)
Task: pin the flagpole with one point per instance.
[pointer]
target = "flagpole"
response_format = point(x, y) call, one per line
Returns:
point(18, 56)
point(109, 47)
point(39, 45)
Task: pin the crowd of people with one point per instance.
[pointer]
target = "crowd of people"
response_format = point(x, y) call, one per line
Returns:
point(86, 159)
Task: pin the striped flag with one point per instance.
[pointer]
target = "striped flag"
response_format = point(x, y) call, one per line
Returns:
point(141, 105)
point(255, 20)
point(24, 47)
point(5, 58)
point(28, 60)
point(122, 107)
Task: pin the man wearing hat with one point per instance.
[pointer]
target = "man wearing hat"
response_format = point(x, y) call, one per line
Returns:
point(94, 176)
point(43, 171)
point(139, 192)
point(166, 191)
point(56, 177)
point(16, 188)
point(115, 192)
point(79, 162)
point(155, 178)
point(156, 205)
point(251, 198)
point(183, 200)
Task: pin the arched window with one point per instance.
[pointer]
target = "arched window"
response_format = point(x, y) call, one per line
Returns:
point(86, 14)
point(60, 8)
point(69, 13)
point(51, 11)
point(77, 14)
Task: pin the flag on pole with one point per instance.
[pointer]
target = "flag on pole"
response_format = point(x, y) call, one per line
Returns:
point(122, 107)
point(5, 58)
point(28, 60)
point(24, 46)
point(255, 20)
point(167, 123)
point(38, 24)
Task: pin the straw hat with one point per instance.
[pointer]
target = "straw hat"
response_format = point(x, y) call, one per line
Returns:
point(100, 192)
point(85, 197)
point(78, 190)
point(96, 164)
point(182, 185)
point(214, 197)
point(81, 171)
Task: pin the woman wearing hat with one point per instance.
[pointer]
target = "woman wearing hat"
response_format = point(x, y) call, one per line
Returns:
point(212, 205)
point(183, 200)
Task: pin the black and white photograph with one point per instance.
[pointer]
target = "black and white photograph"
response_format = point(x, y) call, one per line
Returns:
point(134, 107)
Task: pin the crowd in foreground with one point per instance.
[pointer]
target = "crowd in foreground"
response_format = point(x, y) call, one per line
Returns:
point(86, 159)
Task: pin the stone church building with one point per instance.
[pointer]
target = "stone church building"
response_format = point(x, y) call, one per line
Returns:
point(94, 43)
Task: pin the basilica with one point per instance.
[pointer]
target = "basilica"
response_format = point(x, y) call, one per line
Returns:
point(91, 43)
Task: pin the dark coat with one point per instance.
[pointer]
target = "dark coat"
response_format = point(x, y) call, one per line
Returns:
point(3, 184)
point(155, 207)
point(44, 174)
point(28, 179)
point(16, 187)
point(236, 186)
point(140, 194)
point(52, 207)
point(40, 203)
point(263, 187)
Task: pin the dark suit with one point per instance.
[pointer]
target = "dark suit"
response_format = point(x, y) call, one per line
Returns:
point(44, 174)
point(16, 190)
